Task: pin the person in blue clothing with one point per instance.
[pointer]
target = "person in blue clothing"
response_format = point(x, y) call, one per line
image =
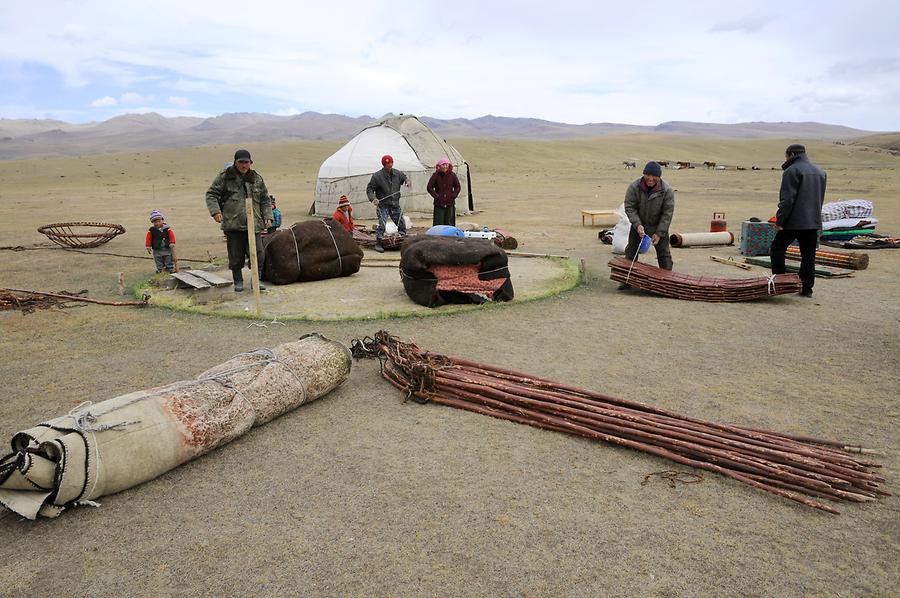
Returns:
point(276, 217)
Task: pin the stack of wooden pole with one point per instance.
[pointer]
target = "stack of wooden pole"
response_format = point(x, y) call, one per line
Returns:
point(851, 261)
point(700, 288)
point(790, 466)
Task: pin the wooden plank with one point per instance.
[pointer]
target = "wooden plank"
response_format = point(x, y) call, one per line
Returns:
point(729, 261)
point(211, 277)
point(821, 271)
point(190, 280)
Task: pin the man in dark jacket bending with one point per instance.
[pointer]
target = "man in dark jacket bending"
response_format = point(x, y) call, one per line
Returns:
point(799, 214)
point(383, 191)
point(649, 205)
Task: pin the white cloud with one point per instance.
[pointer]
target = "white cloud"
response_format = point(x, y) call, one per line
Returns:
point(579, 62)
point(105, 102)
point(134, 98)
point(179, 101)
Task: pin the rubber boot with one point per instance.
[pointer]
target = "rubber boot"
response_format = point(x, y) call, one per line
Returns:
point(238, 281)
point(379, 247)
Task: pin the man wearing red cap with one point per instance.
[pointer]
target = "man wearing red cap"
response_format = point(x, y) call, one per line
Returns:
point(383, 191)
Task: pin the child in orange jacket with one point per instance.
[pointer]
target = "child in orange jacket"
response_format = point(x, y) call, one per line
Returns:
point(344, 213)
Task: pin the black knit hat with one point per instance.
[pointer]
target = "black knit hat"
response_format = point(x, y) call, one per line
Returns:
point(242, 154)
point(795, 148)
point(653, 168)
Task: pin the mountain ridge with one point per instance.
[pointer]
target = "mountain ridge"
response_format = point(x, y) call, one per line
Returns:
point(27, 138)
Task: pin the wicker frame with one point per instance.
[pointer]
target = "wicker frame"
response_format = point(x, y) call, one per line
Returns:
point(81, 234)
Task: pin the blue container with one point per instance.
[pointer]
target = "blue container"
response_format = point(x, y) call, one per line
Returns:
point(445, 230)
point(646, 244)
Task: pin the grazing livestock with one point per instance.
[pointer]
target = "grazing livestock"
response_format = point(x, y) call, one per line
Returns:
point(629, 164)
point(684, 165)
point(709, 164)
point(663, 163)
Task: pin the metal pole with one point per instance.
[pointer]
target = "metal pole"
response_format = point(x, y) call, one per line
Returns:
point(251, 240)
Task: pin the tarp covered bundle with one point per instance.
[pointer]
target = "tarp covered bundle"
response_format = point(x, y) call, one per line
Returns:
point(310, 250)
point(438, 270)
point(103, 448)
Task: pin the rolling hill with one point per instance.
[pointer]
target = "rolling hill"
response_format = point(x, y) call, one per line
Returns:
point(135, 132)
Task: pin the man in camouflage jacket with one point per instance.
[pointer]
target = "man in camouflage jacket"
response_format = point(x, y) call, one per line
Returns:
point(225, 201)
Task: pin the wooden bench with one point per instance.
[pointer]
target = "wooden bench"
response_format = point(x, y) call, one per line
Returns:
point(605, 216)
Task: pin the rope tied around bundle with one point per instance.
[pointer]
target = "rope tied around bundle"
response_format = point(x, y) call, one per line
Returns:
point(85, 421)
point(770, 287)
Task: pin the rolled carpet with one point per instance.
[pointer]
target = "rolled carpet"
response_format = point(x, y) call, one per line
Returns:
point(103, 448)
point(851, 261)
point(701, 239)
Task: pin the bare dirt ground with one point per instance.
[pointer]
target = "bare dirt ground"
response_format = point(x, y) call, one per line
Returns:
point(361, 494)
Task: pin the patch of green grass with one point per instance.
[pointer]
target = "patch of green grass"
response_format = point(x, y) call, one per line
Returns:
point(570, 279)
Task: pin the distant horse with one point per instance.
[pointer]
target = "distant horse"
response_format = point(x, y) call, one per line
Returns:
point(684, 165)
point(709, 164)
point(663, 163)
point(628, 164)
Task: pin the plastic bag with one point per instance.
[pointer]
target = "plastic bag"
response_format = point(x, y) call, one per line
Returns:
point(621, 231)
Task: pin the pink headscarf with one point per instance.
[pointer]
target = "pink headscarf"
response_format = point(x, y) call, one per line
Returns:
point(441, 162)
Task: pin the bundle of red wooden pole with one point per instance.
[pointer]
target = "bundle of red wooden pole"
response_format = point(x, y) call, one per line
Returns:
point(791, 466)
point(851, 261)
point(700, 288)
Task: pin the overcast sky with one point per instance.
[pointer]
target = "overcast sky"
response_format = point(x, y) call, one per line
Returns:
point(630, 62)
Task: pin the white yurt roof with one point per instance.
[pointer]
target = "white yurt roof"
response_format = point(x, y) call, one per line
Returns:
point(362, 154)
point(413, 146)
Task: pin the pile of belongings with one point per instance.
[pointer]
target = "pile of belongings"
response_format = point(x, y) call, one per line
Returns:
point(843, 220)
point(437, 270)
point(503, 239)
point(310, 250)
point(364, 238)
point(868, 241)
point(700, 288)
point(103, 448)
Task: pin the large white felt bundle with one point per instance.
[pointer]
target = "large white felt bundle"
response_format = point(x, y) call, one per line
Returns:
point(98, 449)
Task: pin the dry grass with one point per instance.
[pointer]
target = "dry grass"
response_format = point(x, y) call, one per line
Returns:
point(361, 494)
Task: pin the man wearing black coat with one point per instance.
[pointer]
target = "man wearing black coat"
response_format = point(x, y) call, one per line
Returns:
point(799, 215)
point(383, 191)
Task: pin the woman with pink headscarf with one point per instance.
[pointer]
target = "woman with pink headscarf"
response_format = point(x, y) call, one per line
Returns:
point(444, 188)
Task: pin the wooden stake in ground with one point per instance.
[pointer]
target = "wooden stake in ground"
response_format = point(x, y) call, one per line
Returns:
point(251, 240)
point(174, 258)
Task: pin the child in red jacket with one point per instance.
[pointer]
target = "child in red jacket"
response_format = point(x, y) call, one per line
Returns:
point(344, 213)
point(161, 242)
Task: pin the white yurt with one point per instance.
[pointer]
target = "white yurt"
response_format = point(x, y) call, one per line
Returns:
point(415, 149)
